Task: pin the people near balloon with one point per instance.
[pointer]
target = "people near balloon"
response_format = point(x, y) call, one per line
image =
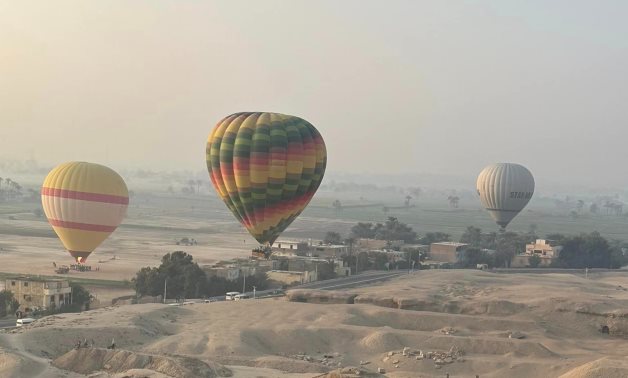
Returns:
point(84, 204)
point(505, 189)
point(266, 167)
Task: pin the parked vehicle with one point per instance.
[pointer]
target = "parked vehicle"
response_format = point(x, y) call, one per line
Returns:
point(240, 297)
point(63, 269)
point(23, 321)
point(230, 296)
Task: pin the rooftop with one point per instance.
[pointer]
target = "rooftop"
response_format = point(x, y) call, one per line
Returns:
point(34, 279)
point(454, 244)
point(288, 272)
point(331, 245)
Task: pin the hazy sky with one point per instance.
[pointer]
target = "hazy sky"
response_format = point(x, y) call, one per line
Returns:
point(393, 86)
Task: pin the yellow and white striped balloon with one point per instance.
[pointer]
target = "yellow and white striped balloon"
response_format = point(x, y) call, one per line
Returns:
point(84, 204)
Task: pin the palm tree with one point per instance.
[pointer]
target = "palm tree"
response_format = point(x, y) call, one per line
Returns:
point(453, 201)
point(192, 184)
point(9, 191)
point(18, 189)
point(416, 192)
point(609, 206)
point(580, 205)
point(619, 208)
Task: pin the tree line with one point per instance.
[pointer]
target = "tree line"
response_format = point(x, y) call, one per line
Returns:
point(585, 250)
point(11, 190)
point(185, 279)
point(496, 249)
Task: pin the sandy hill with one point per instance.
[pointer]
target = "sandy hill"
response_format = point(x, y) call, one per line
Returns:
point(426, 324)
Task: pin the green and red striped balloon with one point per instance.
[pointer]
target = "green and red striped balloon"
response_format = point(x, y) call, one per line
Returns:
point(266, 167)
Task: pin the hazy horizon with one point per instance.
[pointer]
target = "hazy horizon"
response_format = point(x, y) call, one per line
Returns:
point(399, 88)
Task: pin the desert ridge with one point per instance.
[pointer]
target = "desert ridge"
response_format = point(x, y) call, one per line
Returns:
point(425, 324)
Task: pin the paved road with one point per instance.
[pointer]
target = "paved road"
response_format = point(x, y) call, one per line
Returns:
point(5, 323)
point(362, 279)
point(554, 270)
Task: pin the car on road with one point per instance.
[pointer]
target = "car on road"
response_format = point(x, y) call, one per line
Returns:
point(24, 321)
point(240, 297)
point(230, 296)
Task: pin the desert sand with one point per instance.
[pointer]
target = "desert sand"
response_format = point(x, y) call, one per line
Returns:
point(515, 325)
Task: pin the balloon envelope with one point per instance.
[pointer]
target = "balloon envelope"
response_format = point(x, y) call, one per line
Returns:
point(266, 167)
point(505, 189)
point(84, 204)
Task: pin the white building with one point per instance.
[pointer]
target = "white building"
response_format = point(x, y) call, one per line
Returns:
point(288, 247)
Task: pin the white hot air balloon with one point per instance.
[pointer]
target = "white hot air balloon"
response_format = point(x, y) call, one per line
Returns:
point(505, 189)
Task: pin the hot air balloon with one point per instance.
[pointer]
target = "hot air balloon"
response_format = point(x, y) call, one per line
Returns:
point(84, 204)
point(505, 189)
point(266, 167)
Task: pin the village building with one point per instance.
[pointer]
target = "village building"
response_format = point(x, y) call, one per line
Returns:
point(422, 248)
point(302, 264)
point(546, 250)
point(32, 292)
point(374, 244)
point(341, 268)
point(235, 269)
point(329, 250)
point(391, 254)
point(230, 272)
point(448, 252)
point(286, 247)
point(290, 278)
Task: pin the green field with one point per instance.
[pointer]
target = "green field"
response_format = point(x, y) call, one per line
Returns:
point(206, 214)
point(430, 215)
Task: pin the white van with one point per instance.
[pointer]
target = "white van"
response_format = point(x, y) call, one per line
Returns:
point(230, 296)
point(23, 321)
point(240, 297)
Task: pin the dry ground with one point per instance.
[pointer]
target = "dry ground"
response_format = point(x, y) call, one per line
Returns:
point(558, 315)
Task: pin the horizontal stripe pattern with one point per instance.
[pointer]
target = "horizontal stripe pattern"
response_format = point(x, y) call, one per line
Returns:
point(266, 167)
point(84, 203)
point(80, 211)
point(82, 226)
point(94, 197)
